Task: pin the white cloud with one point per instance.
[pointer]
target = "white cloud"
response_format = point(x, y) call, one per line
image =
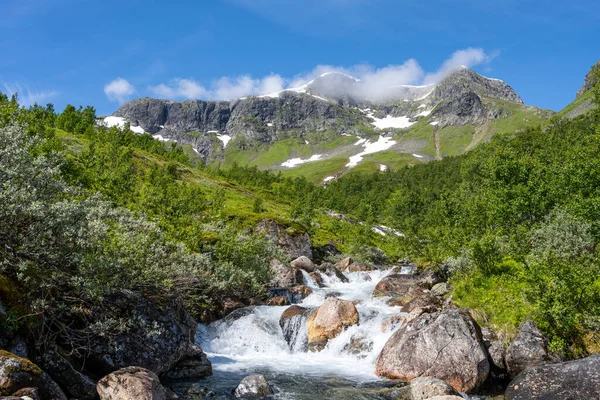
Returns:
point(180, 88)
point(28, 97)
point(467, 57)
point(375, 83)
point(118, 90)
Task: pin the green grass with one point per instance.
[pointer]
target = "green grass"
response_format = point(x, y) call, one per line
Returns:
point(391, 159)
point(588, 95)
point(318, 170)
point(455, 139)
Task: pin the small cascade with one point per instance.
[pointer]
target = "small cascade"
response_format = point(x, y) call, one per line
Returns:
point(254, 340)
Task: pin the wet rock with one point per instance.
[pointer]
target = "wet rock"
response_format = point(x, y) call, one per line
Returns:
point(294, 244)
point(198, 392)
point(332, 271)
point(391, 322)
point(344, 264)
point(359, 346)
point(446, 345)
point(284, 275)
point(527, 350)
point(253, 386)
point(423, 388)
point(299, 293)
point(76, 384)
point(304, 263)
point(355, 267)
point(17, 373)
point(293, 323)
point(194, 365)
point(416, 297)
point(316, 276)
point(440, 289)
point(329, 320)
point(577, 379)
point(131, 383)
point(496, 350)
point(397, 285)
point(278, 301)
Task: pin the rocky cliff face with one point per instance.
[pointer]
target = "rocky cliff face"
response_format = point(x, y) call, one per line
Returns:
point(590, 80)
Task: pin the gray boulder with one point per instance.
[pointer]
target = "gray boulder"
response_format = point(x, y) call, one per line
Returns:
point(284, 275)
point(294, 244)
point(422, 388)
point(527, 350)
point(304, 263)
point(131, 383)
point(76, 384)
point(446, 345)
point(571, 380)
point(253, 386)
point(397, 285)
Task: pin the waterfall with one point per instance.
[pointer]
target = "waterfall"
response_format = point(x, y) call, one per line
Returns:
point(253, 340)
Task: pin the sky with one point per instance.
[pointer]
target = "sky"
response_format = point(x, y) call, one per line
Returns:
point(103, 53)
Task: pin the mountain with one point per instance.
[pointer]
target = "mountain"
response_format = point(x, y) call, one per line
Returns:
point(336, 123)
point(583, 99)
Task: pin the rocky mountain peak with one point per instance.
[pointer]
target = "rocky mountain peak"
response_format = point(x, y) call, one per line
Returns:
point(590, 79)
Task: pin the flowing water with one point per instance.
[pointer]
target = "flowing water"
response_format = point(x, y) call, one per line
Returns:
point(251, 341)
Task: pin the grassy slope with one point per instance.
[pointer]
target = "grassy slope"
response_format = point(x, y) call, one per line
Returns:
point(586, 96)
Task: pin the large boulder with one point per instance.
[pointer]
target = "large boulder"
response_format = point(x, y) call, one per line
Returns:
point(333, 272)
point(527, 350)
point(75, 384)
point(131, 383)
point(17, 373)
point(329, 320)
point(446, 345)
point(194, 365)
point(294, 244)
point(293, 323)
point(577, 379)
point(416, 297)
point(299, 293)
point(304, 263)
point(253, 386)
point(356, 267)
point(397, 285)
point(344, 264)
point(422, 388)
point(131, 329)
point(284, 275)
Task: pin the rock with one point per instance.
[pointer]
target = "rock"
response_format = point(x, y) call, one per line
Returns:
point(423, 388)
point(18, 347)
point(446, 345)
point(440, 289)
point(17, 373)
point(278, 301)
point(496, 350)
point(344, 264)
point(416, 297)
point(429, 277)
point(590, 80)
point(397, 285)
point(253, 386)
point(157, 337)
point(316, 276)
point(417, 312)
point(131, 383)
point(332, 271)
point(527, 350)
point(304, 263)
point(76, 384)
point(284, 275)
point(359, 346)
point(198, 392)
point(329, 320)
point(194, 365)
point(293, 325)
point(391, 322)
point(355, 267)
point(31, 393)
point(446, 398)
point(294, 244)
point(577, 379)
point(299, 293)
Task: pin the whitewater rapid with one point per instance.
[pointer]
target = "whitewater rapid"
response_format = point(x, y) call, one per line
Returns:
point(255, 341)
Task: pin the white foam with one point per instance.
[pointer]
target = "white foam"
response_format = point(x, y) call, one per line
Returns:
point(383, 143)
point(224, 138)
point(294, 162)
point(255, 341)
point(111, 121)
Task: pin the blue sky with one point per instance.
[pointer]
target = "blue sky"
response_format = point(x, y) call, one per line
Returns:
point(105, 52)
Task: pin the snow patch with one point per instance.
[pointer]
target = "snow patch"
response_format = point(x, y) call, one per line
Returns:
point(434, 123)
point(424, 113)
point(269, 124)
point(329, 179)
point(224, 138)
point(213, 131)
point(383, 167)
point(383, 143)
point(161, 138)
point(111, 121)
point(417, 155)
point(293, 162)
point(196, 150)
point(385, 230)
point(360, 141)
point(392, 122)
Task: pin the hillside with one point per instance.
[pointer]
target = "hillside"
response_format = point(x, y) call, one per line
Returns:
point(335, 123)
